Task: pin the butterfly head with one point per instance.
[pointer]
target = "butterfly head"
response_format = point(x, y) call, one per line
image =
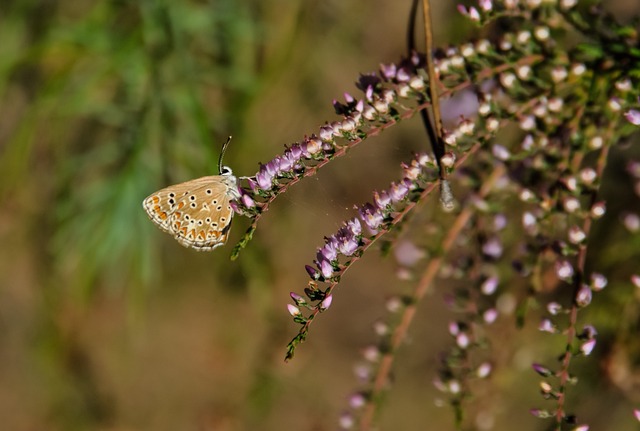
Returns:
point(226, 171)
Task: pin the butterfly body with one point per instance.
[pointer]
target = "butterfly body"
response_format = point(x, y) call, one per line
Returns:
point(197, 212)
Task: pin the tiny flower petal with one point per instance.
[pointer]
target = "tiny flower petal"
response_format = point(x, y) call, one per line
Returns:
point(293, 310)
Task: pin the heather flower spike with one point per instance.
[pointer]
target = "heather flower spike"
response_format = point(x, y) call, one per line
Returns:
point(525, 207)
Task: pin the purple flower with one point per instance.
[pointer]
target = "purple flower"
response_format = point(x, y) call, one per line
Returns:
point(326, 133)
point(325, 268)
point(347, 244)
point(253, 185)
point(296, 151)
point(369, 94)
point(492, 248)
point(587, 347)
point(312, 272)
point(371, 217)
point(388, 71)
point(297, 298)
point(398, 191)
point(355, 226)
point(272, 167)
point(381, 199)
point(291, 160)
point(247, 201)
point(633, 117)
point(542, 370)
point(328, 252)
point(326, 303)
point(234, 206)
point(264, 178)
point(584, 295)
point(403, 75)
point(349, 125)
point(293, 310)
point(311, 146)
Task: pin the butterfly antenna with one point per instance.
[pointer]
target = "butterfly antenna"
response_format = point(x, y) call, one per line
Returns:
point(224, 148)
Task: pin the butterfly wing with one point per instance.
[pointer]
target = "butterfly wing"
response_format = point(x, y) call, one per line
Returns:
point(197, 213)
point(161, 204)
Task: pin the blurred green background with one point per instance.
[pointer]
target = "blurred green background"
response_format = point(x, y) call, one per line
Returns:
point(106, 323)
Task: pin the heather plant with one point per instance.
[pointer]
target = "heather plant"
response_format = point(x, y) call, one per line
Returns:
point(516, 218)
point(557, 94)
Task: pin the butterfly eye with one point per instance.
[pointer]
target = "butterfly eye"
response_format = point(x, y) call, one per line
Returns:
point(226, 170)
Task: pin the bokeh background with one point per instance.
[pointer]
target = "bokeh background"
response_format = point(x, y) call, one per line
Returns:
point(108, 324)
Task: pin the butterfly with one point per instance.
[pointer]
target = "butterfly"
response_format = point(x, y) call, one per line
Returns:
point(197, 212)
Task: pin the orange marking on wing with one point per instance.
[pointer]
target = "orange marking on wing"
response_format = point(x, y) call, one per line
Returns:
point(163, 215)
point(155, 199)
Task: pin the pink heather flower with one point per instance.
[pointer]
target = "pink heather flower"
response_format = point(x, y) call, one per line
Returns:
point(474, 15)
point(347, 245)
point(635, 279)
point(489, 286)
point(398, 191)
point(564, 270)
point(403, 75)
point(388, 71)
point(381, 199)
point(326, 133)
point(369, 113)
point(264, 179)
point(328, 252)
point(485, 5)
point(454, 328)
point(448, 160)
point(598, 282)
point(547, 326)
point(357, 401)
point(293, 310)
point(576, 235)
point(247, 201)
point(490, 315)
point(633, 117)
point(554, 308)
point(371, 217)
point(326, 303)
point(325, 268)
point(598, 209)
point(381, 106)
point(354, 225)
point(541, 369)
point(411, 172)
point(346, 421)
point(492, 248)
point(297, 298)
point(484, 370)
point(462, 340)
point(315, 275)
point(636, 413)
point(584, 295)
point(371, 353)
point(312, 146)
point(587, 347)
